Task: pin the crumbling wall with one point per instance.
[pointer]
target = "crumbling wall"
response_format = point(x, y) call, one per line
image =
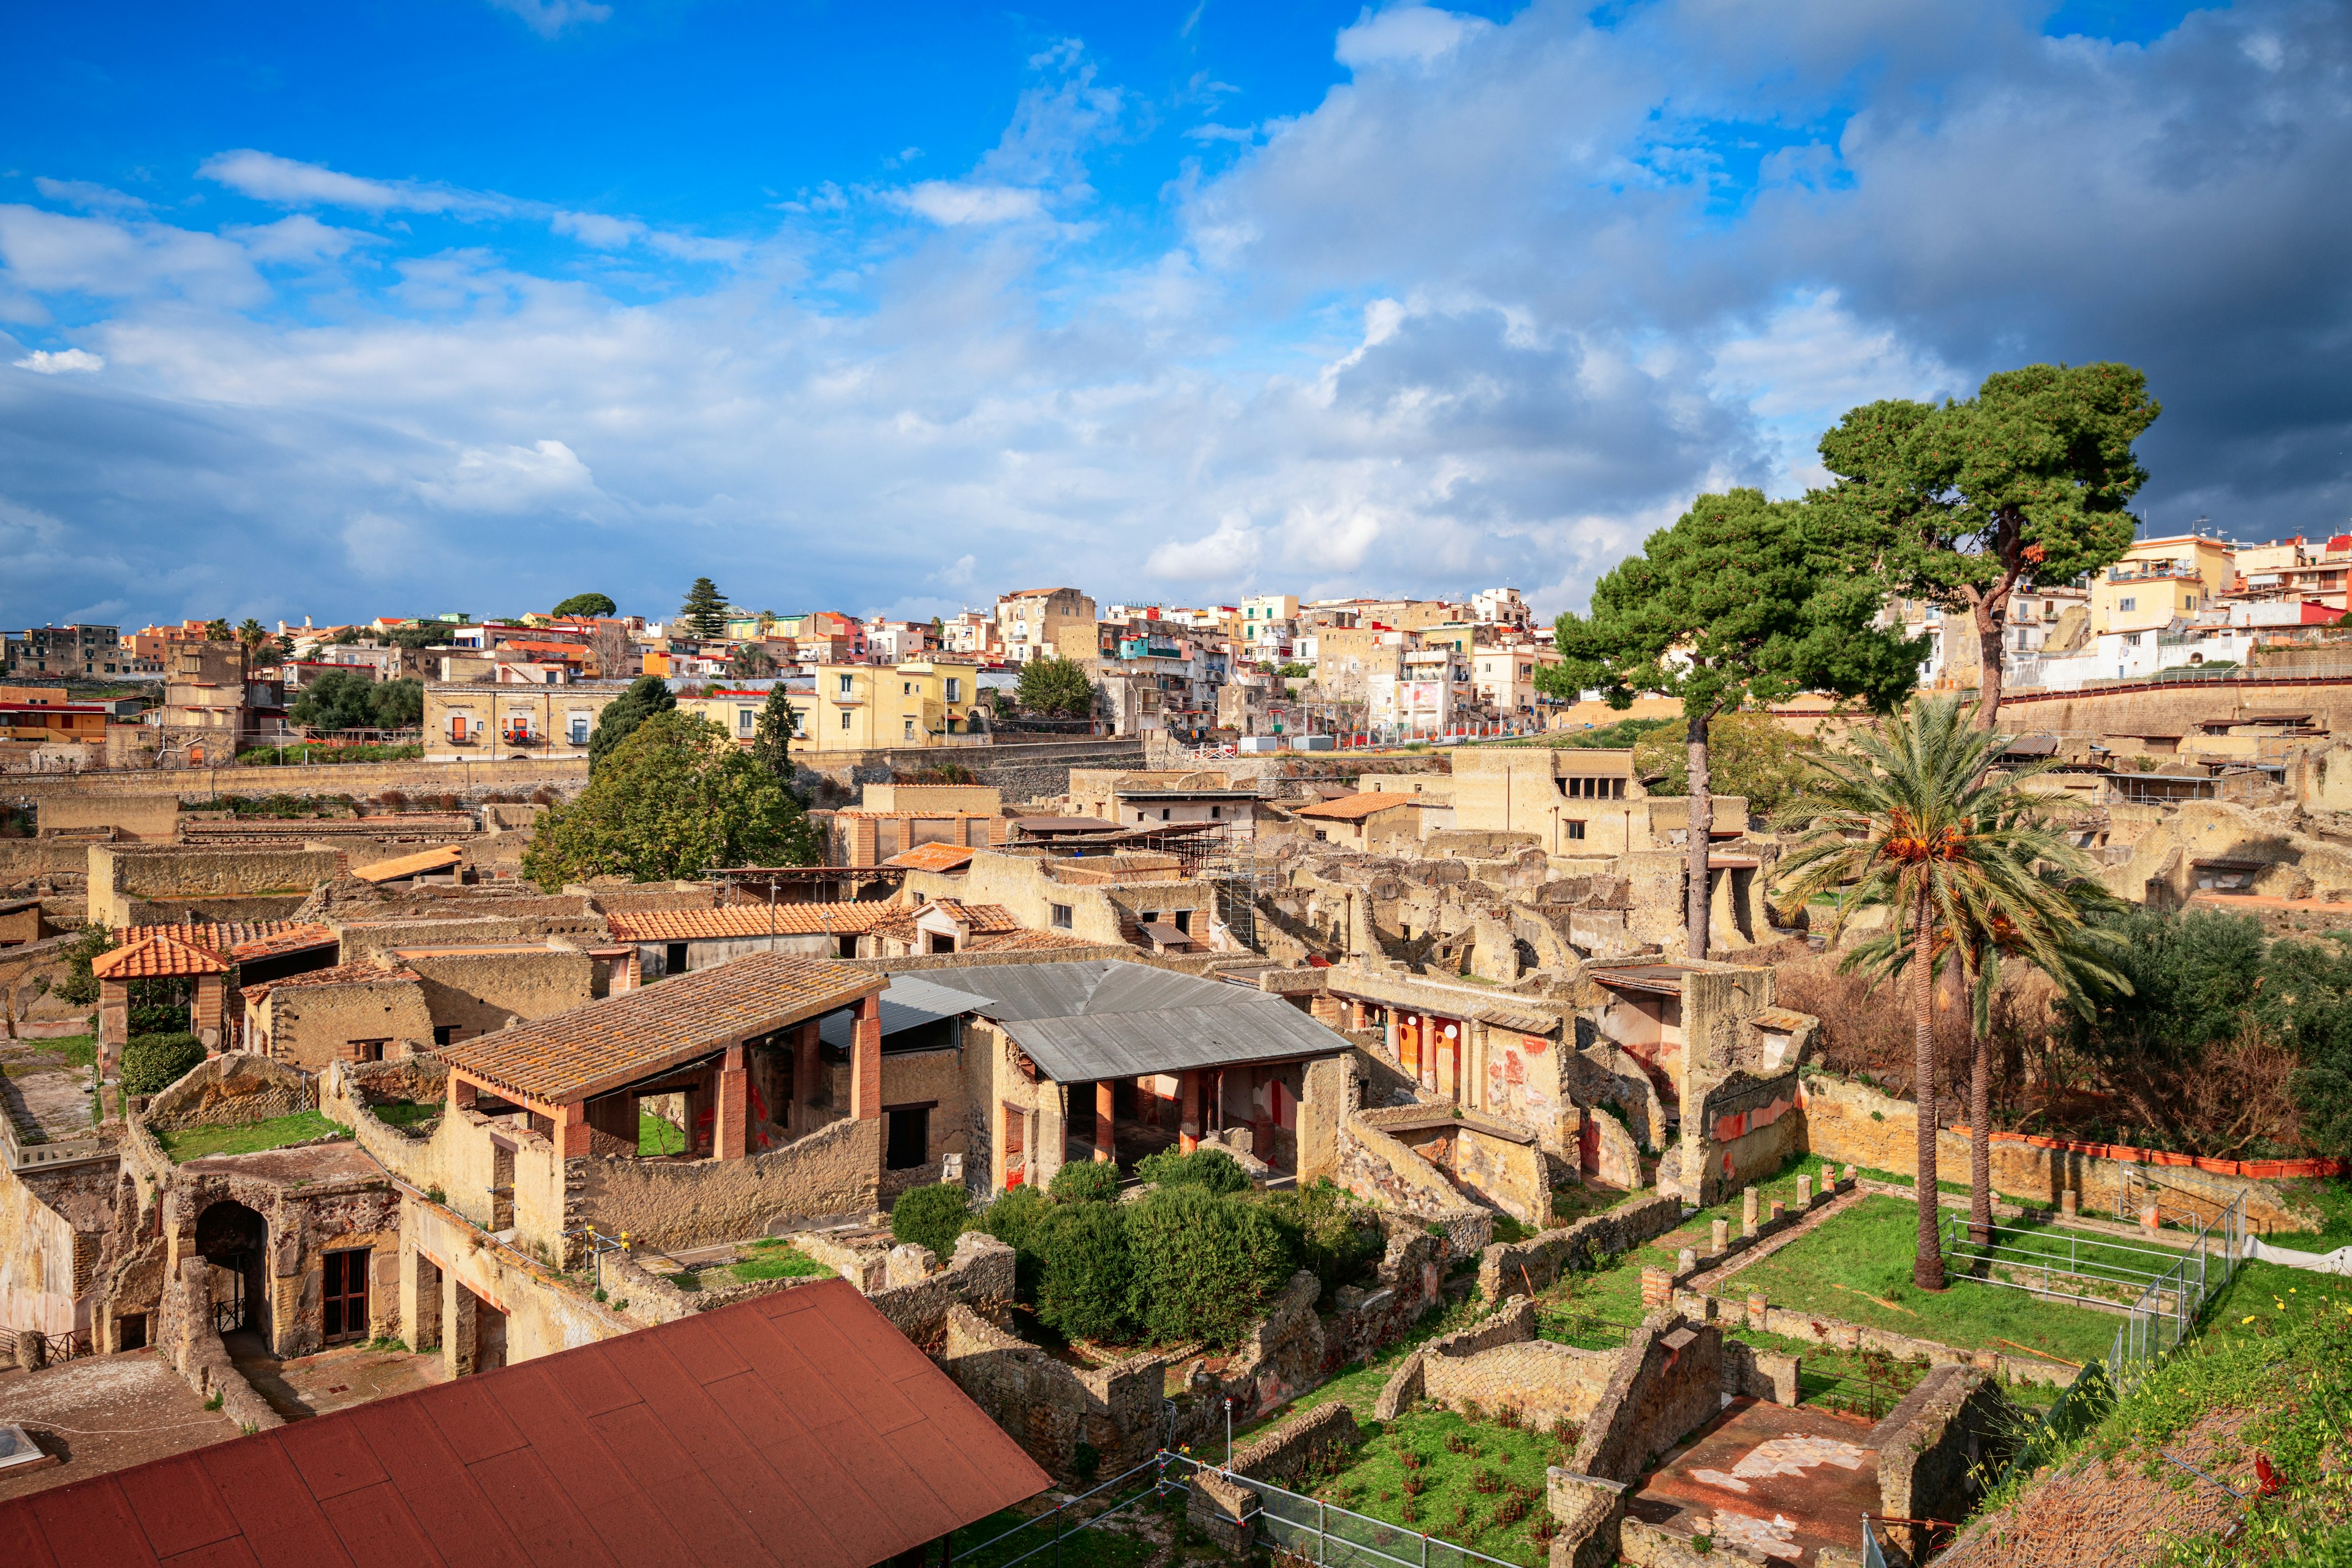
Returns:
point(36, 1252)
point(1591, 1512)
point(832, 1171)
point(126, 879)
point(1221, 1508)
point(1540, 1260)
point(979, 1275)
point(186, 1336)
point(1933, 1447)
point(1050, 1407)
point(229, 1091)
point(1499, 1363)
point(1378, 1168)
point(1667, 1381)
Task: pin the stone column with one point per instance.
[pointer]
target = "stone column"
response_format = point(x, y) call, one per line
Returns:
point(1748, 1214)
point(1804, 1192)
point(459, 1344)
point(1780, 1211)
point(866, 1061)
point(1105, 1125)
point(209, 1011)
point(1188, 1135)
point(113, 1025)
point(1719, 1237)
point(803, 1118)
point(729, 1125)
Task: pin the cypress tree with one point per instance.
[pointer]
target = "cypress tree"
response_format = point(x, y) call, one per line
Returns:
point(646, 696)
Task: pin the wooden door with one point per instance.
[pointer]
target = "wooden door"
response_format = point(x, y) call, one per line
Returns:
point(347, 1296)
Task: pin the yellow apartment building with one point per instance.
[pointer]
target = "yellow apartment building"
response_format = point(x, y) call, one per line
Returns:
point(2161, 579)
point(864, 707)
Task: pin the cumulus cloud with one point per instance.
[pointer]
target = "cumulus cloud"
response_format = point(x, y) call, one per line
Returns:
point(86, 195)
point(61, 362)
point(1494, 307)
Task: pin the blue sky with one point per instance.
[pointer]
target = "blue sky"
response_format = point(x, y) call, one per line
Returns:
point(379, 309)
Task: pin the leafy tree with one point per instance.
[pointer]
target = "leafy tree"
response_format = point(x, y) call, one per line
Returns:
point(347, 637)
point(590, 605)
point(771, 741)
point(1912, 824)
point(218, 630)
point(1083, 1289)
point(1330, 1233)
point(1017, 1218)
point(152, 1063)
point(1294, 670)
point(1058, 687)
point(1085, 1182)
point(1202, 1262)
point(931, 1216)
point(398, 704)
point(751, 662)
point(675, 799)
point(423, 635)
point(1740, 600)
point(1749, 754)
point(646, 696)
point(2024, 483)
point(80, 986)
point(348, 700)
point(705, 610)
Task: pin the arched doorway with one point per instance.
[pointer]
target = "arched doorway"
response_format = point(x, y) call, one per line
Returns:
point(234, 1240)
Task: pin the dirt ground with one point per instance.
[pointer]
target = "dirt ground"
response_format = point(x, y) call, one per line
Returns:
point(49, 1100)
point(104, 1413)
point(332, 1380)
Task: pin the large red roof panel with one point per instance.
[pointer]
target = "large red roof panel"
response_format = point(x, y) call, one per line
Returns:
point(798, 1429)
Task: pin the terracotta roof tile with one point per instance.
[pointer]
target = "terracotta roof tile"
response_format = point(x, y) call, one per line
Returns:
point(594, 1049)
point(980, 916)
point(359, 971)
point(846, 918)
point(853, 1452)
point(410, 865)
point(932, 858)
point(1026, 942)
point(294, 938)
point(158, 958)
point(224, 936)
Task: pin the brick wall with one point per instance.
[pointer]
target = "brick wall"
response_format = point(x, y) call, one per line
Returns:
point(1539, 1262)
point(1667, 1381)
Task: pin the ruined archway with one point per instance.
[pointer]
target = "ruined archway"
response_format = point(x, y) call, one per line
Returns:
point(235, 1240)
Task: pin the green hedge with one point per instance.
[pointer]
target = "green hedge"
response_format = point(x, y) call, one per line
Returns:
point(1087, 1181)
point(931, 1216)
point(152, 1063)
point(1211, 1168)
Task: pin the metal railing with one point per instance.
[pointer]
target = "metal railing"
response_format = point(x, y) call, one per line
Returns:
point(2081, 1257)
point(1331, 1536)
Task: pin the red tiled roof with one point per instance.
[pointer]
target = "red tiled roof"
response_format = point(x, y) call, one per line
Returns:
point(796, 1428)
point(359, 971)
point(158, 958)
point(293, 939)
point(410, 865)
point(594, 1049)
point(980, 916)
point(228, 936)
point(932, 858)
point(853, 917)
point(1024, 941)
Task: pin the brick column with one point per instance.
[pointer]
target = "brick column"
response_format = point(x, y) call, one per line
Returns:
point(800, 1121)
point(571, 1133)
point(866, 1062)
point(1106, 1129)
point(113, 1024)
point(729, 1126)
point(1188, 1133)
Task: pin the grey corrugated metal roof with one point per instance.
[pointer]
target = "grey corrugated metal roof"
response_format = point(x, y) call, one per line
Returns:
point(908, 1003)
point(1107, 1019)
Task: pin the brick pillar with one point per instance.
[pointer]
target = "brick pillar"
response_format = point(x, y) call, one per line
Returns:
point(801, 1120)
point(1657, 1287)
point(571, 1134)
point(210, 1009)
point(459, 1318)
point(463, 1092)
point(866, 1062)
point(1106, 1129)
point(1780, 1211)
point(1188, 1135)
point(729, 1126)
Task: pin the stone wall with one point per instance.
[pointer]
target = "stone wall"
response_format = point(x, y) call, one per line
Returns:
point(1852, 1123)
point(832, 1171)
point(1220, 1509)
point(229, 1091)
point(1835, 1333)
point(131, 817)
point(1591, 1512)
point(979, 1275)
point(38, 1246)
point(186, 1338)
point(1377, 1167)
point(1668, 1380)
point(1498, 1362)
point(125, 879)
point(1049, 1406)
point(1931, 1447)
point(1539, 1262)
point(477, 993)
point(449, 1268)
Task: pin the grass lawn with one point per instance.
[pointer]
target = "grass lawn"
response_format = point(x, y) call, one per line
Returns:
point(2264, 1299)
point(774, 1258)
point(406, 1113)
point(1475, 1483)
point(1595, 1310)
point(1857, 1268)
point(658, 1135)
point(195, 1143)
point(2332, 1199)
point(1697, 1232)
point(1118, 1543)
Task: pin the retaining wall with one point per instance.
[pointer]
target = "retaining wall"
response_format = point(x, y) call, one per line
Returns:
point(1668, 1380)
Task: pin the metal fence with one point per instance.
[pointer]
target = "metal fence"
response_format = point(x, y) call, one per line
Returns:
point(1330, 1536)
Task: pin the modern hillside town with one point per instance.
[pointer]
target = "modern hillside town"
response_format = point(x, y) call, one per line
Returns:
point(1381, 785)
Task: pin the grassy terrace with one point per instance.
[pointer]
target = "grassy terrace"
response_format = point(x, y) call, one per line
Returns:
point(407, 1114)
point(1857, 1267)
point(1473, 1482)
point(197, 1142)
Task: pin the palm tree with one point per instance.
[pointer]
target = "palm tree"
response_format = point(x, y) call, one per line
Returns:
point(2078, 956)
point(1914, 822)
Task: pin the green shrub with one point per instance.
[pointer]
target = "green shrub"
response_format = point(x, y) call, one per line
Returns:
point(1083, 1282)
point(1016, 1219)
point(1201, 1262)
point(1329, 1233)
point(1211, 1168)
point(152, 1063)
point(164, 1019)
point(1091, 1181)
point(930, 1216)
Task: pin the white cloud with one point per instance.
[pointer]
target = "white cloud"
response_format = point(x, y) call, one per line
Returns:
point(266, 177)
point(508, 480)
point(603, 232)
point(953, 202)
point(61, 362)
point(549, 17)
point(1421, 33)
point(297, 237)
point(85, 194)
point(1228, 555)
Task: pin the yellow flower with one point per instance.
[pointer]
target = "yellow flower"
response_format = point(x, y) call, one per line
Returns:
point(2249, 1317)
